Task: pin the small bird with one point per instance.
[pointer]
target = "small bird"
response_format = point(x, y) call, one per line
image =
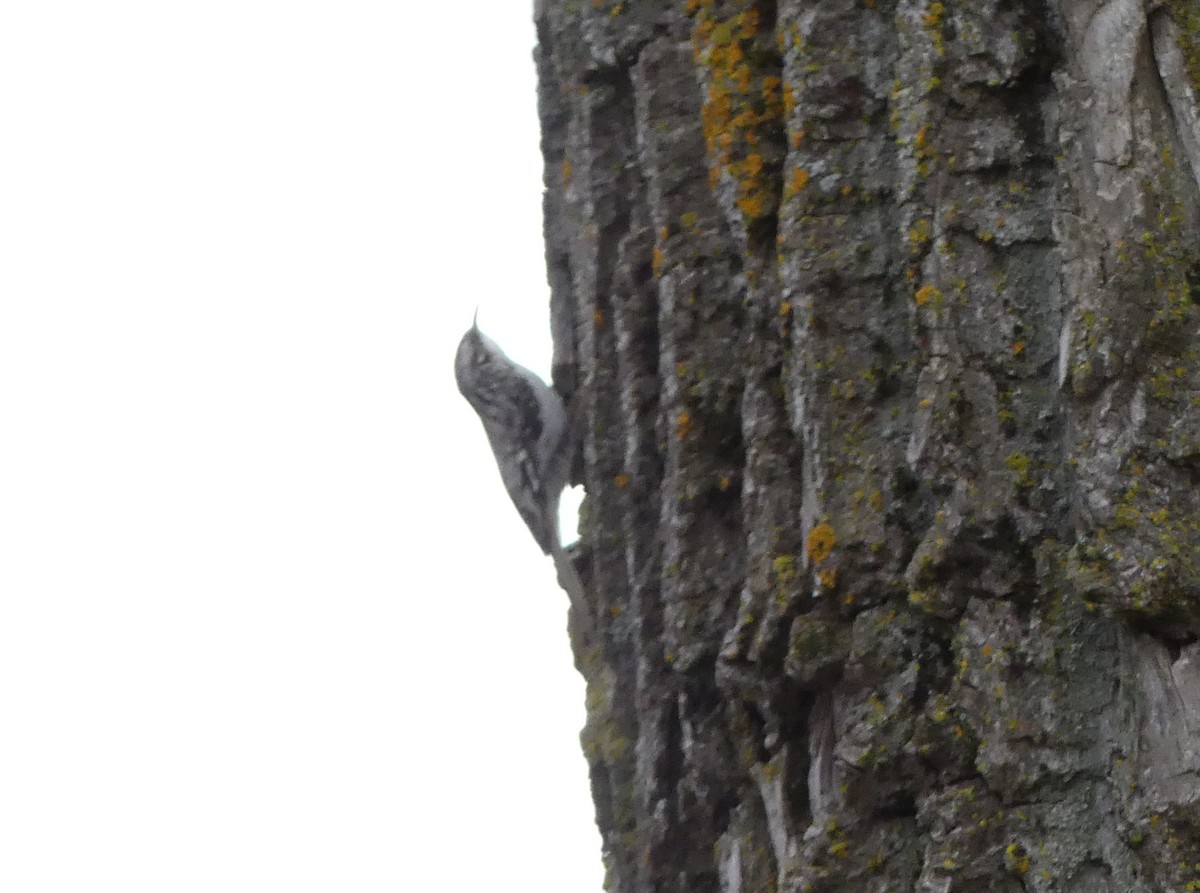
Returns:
point(529, 430)
point(526, 425)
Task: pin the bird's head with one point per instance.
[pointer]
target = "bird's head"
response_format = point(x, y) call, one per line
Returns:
point(476, 354)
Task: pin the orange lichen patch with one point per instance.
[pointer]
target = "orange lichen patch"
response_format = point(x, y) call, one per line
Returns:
point(566, 172)
point(598, 318)
point(773, 98)
point(785, 308)
point(919, 141)
point(827, 578)
point(821, 540)
point(683, 425)
point(927, 293)
point(621, 481)
point(748, 21)
point(799, 180)
point(1018, 348)
point(789, 100)
point(656, 262)
point(754, 204)
point(743, 76)
point(716, 116)
point(725, 483)
point(743, 105)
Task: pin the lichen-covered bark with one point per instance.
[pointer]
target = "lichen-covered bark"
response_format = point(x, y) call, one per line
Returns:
point(882, 319)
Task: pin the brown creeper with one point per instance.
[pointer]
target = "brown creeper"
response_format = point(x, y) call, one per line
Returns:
point(530, 433)
point(526, 425)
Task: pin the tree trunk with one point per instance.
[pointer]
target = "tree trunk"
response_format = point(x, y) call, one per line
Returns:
point(882, 317)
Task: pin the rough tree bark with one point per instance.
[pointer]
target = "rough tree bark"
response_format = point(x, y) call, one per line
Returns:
point(883, 317)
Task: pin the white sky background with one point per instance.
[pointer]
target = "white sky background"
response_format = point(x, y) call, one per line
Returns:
point(267, 618)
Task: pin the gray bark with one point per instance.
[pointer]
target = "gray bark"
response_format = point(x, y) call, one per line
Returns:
point(883, 321)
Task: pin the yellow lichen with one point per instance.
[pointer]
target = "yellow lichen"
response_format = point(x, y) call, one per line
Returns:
point(1017, 859)
point(1018, 463)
